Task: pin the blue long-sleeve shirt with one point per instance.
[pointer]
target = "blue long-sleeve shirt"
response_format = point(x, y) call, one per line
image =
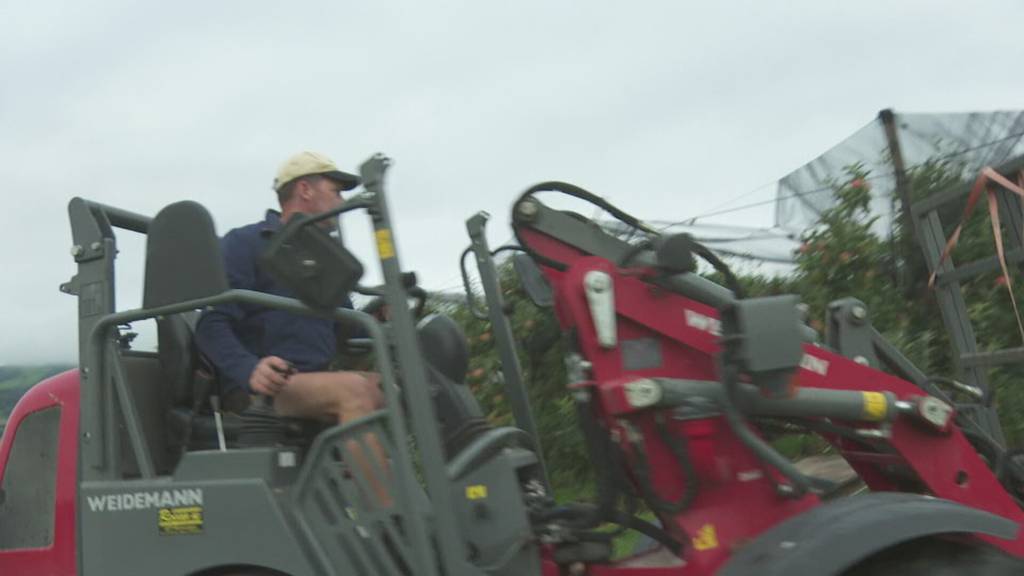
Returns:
point(235, 336)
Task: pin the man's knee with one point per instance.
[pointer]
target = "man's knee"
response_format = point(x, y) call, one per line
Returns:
point(367, 387)
point(373, 389)
point(359, 393)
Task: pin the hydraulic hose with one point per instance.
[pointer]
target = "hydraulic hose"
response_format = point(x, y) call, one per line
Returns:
point(642, 471)
point(633, 252)
point(652, 531)
point(730, 378)
point(470, 298)
point(599, 446)
point(576, 192)
point(711, 258)
point(628, 219)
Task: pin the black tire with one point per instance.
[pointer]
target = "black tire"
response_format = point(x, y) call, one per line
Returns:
point(939, 557)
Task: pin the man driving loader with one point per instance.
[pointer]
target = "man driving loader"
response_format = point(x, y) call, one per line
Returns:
point(275, 353)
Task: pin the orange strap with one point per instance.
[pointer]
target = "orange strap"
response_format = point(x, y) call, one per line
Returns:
point(988, 174)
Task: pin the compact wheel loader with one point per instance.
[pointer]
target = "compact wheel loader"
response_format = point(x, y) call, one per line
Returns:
point(138, 463)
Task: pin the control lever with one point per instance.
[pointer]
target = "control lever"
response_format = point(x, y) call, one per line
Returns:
point(286, 372)
point(263, 403)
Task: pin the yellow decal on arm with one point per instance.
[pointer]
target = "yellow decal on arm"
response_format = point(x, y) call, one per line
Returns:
point(384, 246)
point(875, 406)
point(706, 538)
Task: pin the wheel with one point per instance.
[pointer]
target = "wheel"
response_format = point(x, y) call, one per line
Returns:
point(939, 557)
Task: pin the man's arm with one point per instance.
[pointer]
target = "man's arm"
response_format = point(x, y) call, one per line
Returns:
point(216, 332)
point(237, 367)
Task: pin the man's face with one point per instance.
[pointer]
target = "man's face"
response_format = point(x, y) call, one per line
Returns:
point(325, 194)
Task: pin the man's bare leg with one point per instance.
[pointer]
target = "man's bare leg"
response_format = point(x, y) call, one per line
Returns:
point(340, 397)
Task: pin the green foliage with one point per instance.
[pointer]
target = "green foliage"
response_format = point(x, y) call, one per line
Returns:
point(844, 257)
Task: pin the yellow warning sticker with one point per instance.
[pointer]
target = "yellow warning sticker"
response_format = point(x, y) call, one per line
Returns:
point(385, 247)
point(476, 492)
point(875, 406)
point(706, 538)
point(185, 520)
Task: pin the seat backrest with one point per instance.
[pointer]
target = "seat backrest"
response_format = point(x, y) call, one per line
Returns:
point(183, 263)
point(183, 258)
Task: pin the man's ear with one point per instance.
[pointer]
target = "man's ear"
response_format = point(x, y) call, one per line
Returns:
point(304, 189)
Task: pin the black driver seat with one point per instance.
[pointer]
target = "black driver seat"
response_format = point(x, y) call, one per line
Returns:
point(182, 267)
point(183, 263)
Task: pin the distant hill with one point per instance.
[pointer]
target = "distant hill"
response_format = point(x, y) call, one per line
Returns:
point(15, 380)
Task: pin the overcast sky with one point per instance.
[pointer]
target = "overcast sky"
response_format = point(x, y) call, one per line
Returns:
point(669, 109)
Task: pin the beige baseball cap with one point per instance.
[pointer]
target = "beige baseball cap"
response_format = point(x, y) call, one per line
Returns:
point(310, 163)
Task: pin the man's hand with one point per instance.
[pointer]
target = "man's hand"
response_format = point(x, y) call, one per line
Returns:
point(270, 376)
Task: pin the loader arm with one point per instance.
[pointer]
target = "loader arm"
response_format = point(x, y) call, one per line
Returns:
point(667, 324)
